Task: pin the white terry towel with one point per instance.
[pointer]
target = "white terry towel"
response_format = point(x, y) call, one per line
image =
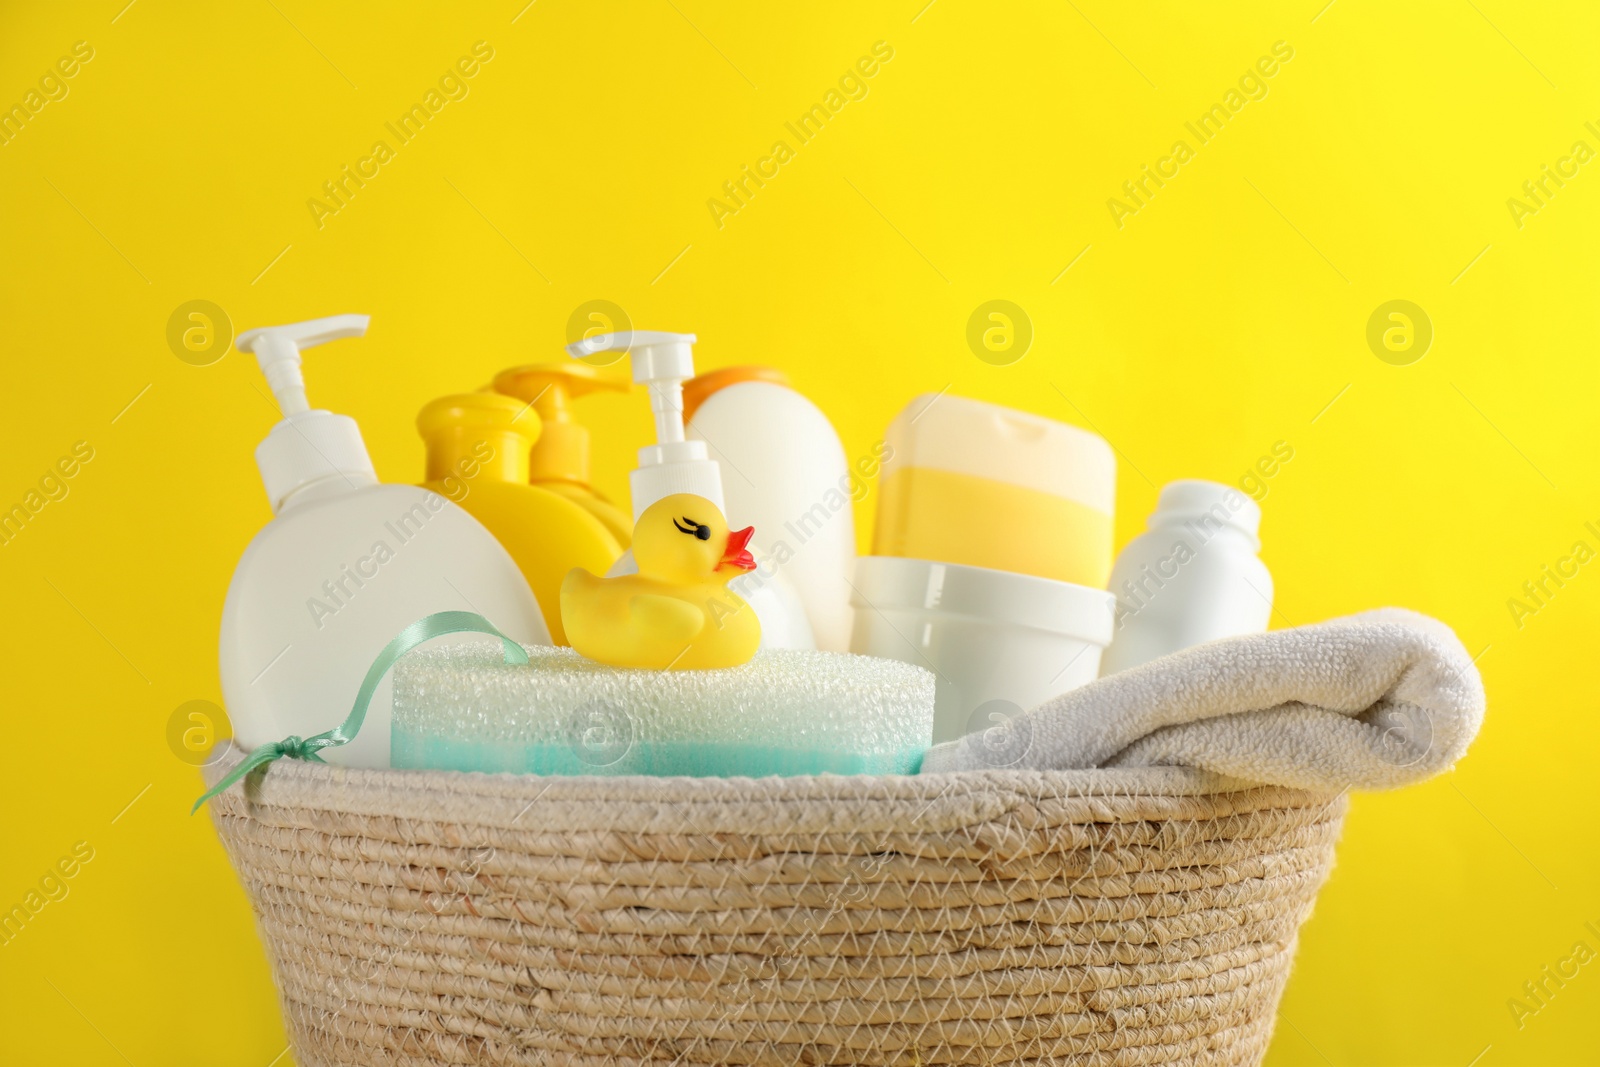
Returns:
point(1372, 701)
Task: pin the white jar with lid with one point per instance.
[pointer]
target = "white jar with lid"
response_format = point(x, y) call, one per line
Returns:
point(1193, 576)
point(998, 643)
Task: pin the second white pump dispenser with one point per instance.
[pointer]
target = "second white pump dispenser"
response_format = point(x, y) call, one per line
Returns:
point(342, 568)
point(662, 362)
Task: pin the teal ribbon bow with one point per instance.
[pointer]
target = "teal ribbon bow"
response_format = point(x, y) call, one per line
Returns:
point(306, 748)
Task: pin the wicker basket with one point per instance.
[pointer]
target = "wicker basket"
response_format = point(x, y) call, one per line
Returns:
point(1101, 917)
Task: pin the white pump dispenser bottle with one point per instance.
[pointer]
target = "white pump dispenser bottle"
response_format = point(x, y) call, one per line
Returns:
point(662, 362)
point(343, 567)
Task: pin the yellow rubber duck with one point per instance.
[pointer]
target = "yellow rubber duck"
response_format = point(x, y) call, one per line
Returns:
point(677, 613)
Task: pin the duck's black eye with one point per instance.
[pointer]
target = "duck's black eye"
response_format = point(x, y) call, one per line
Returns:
point(689, 526)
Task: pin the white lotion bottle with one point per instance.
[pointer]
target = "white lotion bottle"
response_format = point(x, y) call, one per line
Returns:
point(342, 568)
point(662, 362)
point(785, 473)
point(1193, 576)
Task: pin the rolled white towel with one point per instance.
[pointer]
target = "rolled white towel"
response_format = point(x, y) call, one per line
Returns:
point(1371, 701)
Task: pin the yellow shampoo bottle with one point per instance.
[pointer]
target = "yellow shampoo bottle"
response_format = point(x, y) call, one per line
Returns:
point(560, 458)
point(477, 456)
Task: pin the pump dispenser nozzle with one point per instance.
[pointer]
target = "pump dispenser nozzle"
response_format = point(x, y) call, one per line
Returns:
point(561, 454)
point(662, 362)
point(277, 350)
point(308, 446)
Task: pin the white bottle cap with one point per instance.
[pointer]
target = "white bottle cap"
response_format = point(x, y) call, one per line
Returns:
point(1211, 504)
point(662, 362)
point(307, 446)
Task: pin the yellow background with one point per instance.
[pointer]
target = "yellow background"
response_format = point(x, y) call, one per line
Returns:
point(1227, 315)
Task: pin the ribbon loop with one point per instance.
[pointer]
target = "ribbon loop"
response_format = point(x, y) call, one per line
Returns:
point(424, 629)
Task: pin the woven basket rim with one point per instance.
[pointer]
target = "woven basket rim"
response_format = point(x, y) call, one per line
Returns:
point(918, 803)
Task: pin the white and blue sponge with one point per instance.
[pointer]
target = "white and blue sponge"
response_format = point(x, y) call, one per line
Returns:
point(461, 707)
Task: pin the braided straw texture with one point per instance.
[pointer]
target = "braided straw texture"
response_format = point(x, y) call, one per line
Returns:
point(999, 917)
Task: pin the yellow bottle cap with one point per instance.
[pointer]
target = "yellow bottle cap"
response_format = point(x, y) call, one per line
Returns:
point(698, 390)
point(473, 435)
point(561, 453)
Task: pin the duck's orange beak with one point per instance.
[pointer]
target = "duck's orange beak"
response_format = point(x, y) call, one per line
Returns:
point(736, 555)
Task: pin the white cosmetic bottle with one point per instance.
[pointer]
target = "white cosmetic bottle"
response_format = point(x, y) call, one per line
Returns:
point(1193, 576)
point(790, 480)
point(662, 362)
point(342, 568)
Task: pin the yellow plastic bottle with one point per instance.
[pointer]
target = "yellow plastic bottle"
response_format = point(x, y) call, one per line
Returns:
point(560, 458)
point(477, 447)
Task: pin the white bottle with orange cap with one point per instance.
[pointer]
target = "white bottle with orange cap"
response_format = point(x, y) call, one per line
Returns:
point(784, 472)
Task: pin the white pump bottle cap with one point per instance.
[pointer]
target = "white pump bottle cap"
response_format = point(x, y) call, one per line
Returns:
point(662, 362)
point(308, 446)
